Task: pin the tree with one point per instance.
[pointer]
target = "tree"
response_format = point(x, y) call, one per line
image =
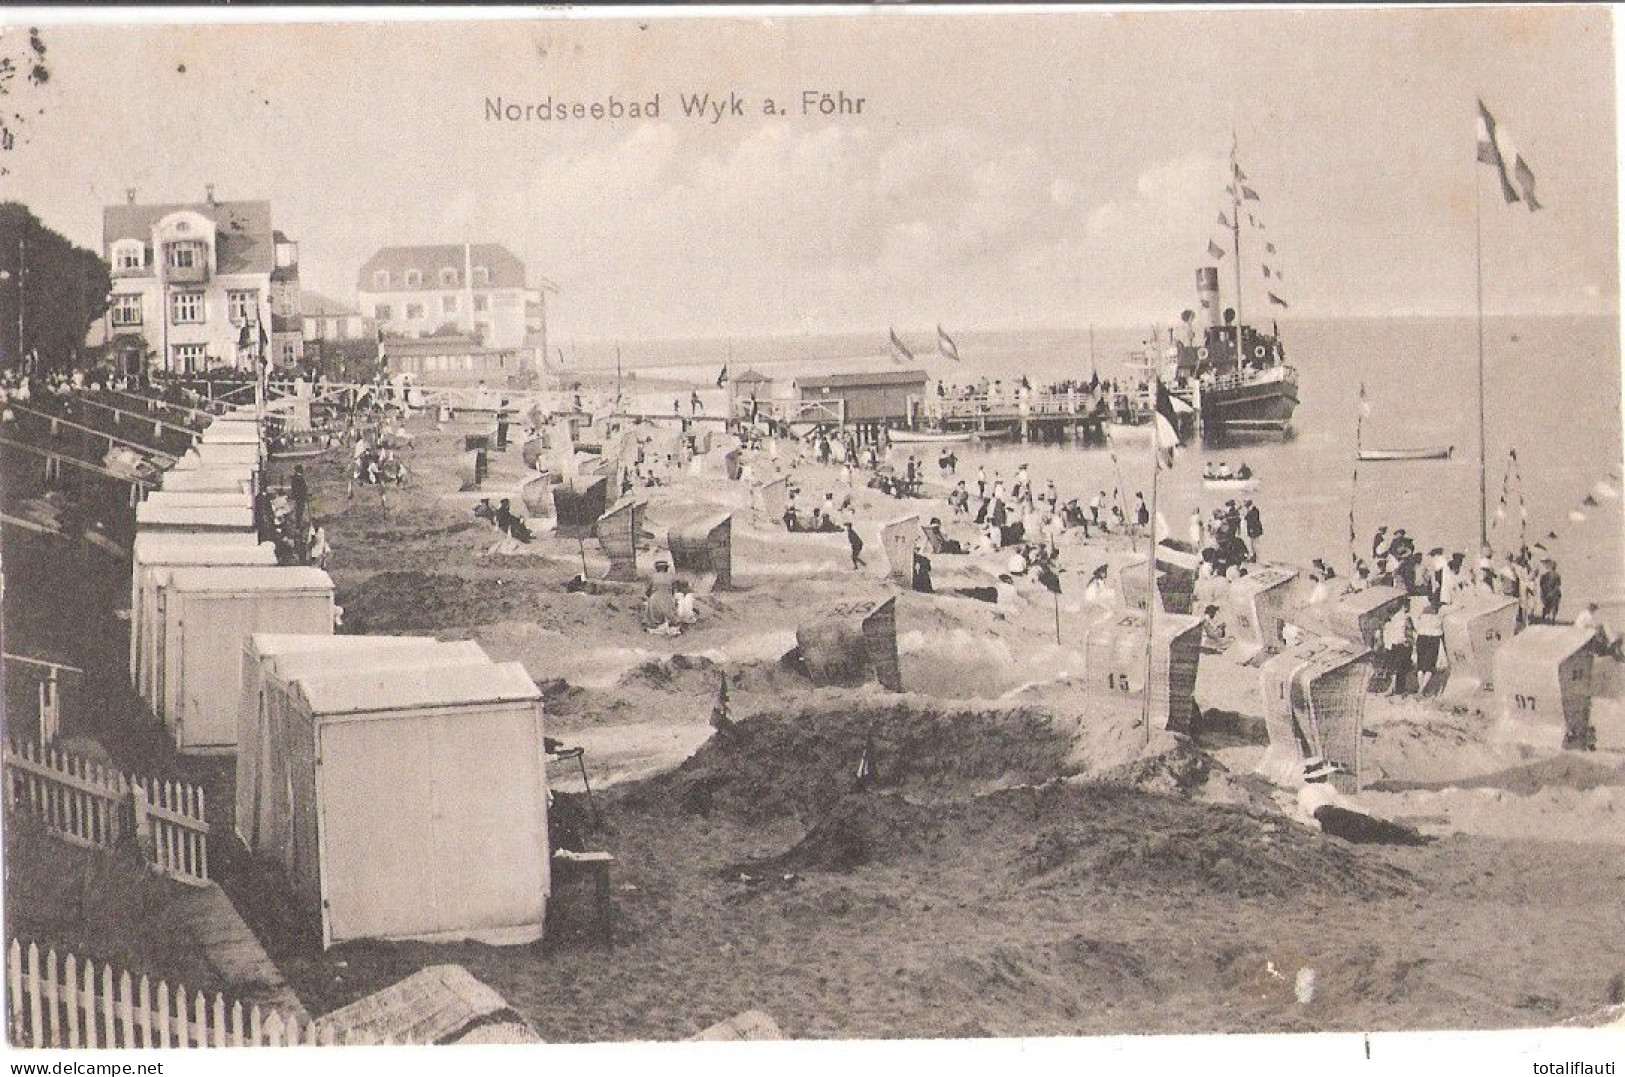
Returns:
point(18, 59)
point(63, 290)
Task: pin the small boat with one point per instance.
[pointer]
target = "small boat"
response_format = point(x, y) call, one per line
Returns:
point(1436, 452)
point(943, 437)
point(1244, 485)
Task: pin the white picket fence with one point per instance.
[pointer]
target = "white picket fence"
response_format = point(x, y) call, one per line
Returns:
point(89, 804)
point(69, 1003)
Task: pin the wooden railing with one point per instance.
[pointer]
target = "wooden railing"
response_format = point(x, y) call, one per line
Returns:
point(169, 819)
point(64, 1002)
point(89, 804)
point(75, 799)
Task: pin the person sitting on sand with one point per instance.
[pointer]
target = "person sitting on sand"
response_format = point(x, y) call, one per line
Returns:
point(660, 597)
point(1215, 634)
point(1321, 806)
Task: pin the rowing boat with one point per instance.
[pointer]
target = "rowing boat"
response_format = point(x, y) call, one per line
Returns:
point(942, 437)
point(1244, 485)
point(1436, 452)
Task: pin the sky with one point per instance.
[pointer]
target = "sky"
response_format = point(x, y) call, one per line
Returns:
point(1057, 169)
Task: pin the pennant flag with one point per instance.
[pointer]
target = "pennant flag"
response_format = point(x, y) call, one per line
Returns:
point(946, 345)
point(1165, 431)
point(1214, 250)
point(1230, 190)
point(1240, 175)
point(1526, 182)
point(1590, 501)
point(1278, 301)
point(1266, 272)
point(722, 375)
point(1551, 535)
point(1576, 516)
point(1269, 248)
point(899, 350)
point(1489, 152)
point(1249, 195)
point(1224, 222)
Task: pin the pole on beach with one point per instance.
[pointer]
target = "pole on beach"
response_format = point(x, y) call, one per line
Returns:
point(1057, 596)
point(1152, 595)
point(1478, 273)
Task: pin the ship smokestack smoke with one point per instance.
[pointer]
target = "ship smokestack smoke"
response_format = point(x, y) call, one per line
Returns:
point(1207, 292)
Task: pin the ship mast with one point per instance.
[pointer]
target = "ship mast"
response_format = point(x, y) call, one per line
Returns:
point(1235, 235)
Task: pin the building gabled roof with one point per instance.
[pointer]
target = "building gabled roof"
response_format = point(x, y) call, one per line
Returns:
point(244, 240)
point(750, 376)
point(312, 305)
point(910, 376)
point(507, 271)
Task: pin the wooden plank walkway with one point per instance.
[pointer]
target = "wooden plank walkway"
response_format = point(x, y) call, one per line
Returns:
point(235, 953)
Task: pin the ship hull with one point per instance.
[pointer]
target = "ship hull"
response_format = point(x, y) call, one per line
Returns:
point(1248, 410)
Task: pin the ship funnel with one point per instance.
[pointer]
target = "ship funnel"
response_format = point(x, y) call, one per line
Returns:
point(1207, 291)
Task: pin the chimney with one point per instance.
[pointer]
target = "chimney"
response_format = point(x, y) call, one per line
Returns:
point(129, 196)
point(209, 192)
point(1207, 291)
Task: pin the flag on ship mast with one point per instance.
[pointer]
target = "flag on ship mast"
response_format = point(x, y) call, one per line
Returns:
point(1224, 222)
point(1248, 194)
point(1278, 301)
point(899, 350)
point(946, 345)
point(1495, 147)
point(1214, 251)
point(1165, 429)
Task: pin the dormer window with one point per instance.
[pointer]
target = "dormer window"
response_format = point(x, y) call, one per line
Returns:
point(380, 278)
point(414, 278)
point(128, 256)
point(482, 276)
point(448, 277)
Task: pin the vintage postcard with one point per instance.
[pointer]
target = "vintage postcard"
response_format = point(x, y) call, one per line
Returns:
point(839, 525)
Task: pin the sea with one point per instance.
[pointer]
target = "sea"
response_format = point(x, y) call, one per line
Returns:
point(1551, 392)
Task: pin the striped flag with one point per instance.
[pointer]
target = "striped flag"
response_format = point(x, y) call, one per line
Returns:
point(899, 350)
point(1165, 428)
point(946, 345)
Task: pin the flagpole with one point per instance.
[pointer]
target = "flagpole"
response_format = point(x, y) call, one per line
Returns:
point(1153, 596)
point(1478, 273)
point(1235, 232)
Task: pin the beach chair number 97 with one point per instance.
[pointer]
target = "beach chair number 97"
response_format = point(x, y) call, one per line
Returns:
point(1526, 703)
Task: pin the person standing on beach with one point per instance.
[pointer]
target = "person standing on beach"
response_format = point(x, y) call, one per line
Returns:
point(1551, 591)
point(1397, 642)
point(1142, 514)
point(1254, 523)
point(981, 483)
point(855, 541)
point(1198, 534)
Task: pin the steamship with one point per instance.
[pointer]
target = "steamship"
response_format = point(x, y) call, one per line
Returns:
point(1243, 383)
